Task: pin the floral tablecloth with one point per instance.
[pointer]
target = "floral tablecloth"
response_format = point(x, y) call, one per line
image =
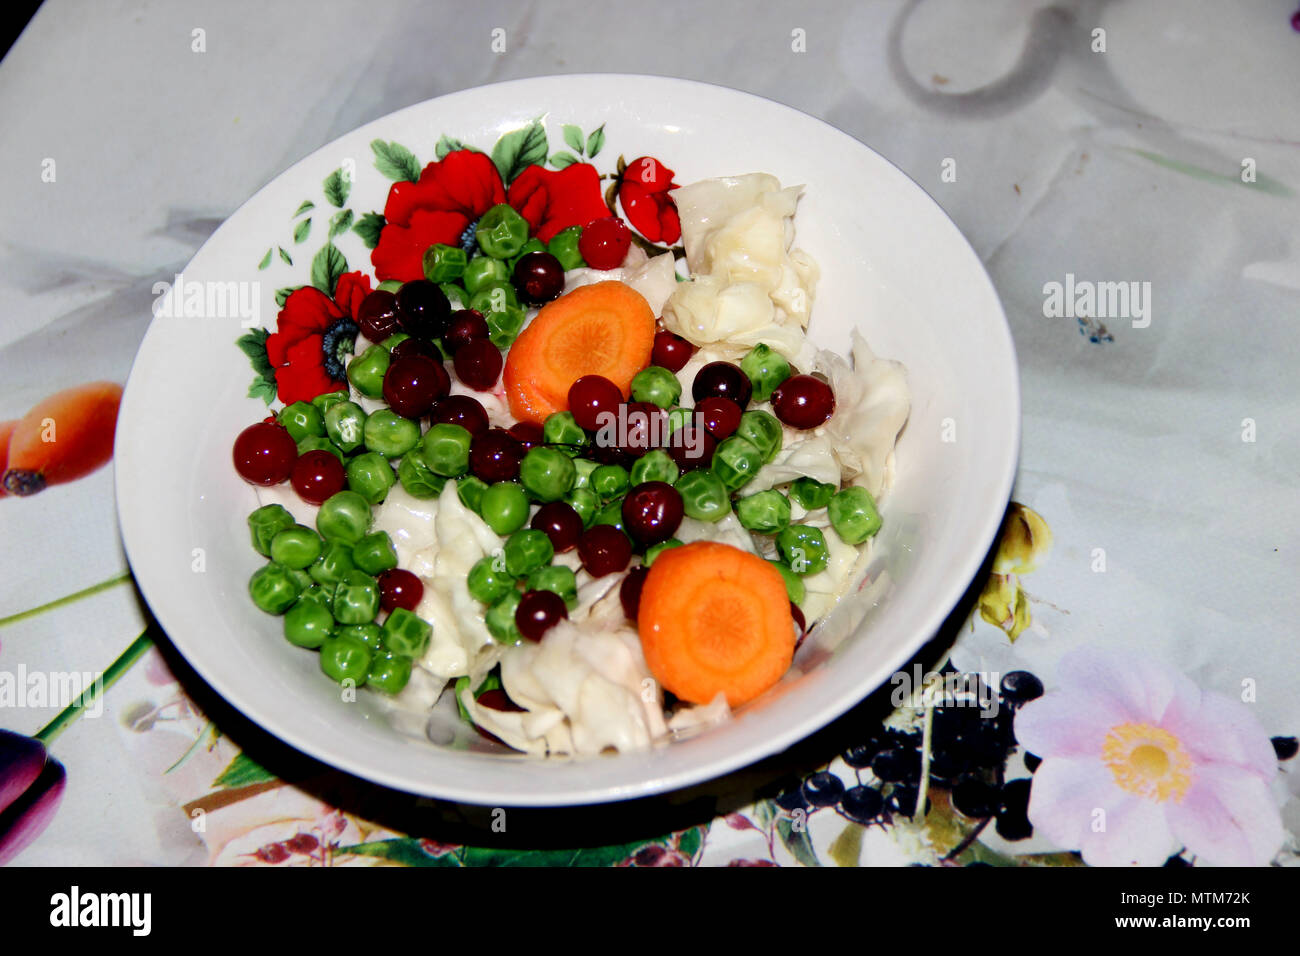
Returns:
point(1127, 172)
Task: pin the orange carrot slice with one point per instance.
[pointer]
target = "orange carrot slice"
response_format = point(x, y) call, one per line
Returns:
point(606, 328)
point(66, 436)
point(715, 618)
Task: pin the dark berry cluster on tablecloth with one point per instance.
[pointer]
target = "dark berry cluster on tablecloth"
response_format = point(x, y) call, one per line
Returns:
point(972, 737)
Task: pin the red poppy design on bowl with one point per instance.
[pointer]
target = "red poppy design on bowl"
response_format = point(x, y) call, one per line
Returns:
point(439, 207)
point(453, 193)
point(552, 201)
point(646, 203)
point(311, 330)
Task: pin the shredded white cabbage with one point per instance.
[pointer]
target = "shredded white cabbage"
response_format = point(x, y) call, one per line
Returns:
point(655, 278)
point(811, 454)
point(727, 530)
point(583, 689)
point(872, 403)
point(748, 286)
point(825, 587)
point(439, 539)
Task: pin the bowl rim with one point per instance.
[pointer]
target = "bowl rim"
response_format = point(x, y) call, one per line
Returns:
point(577, 793)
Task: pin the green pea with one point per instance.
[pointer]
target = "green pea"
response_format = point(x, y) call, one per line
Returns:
point(736, 461)
point(265, 523)
point(390, 434)
point(444, 263)
point(654, 465)
point(301, 578)
point(302, 419)
point(558, 579)
point(527, 550)
point(274, 588)
point(765, 513)
point(417, 478)
point(677, 417)
point(296, 547)
point(308, 624)
point(612, 514)
point(532, 245)
point(584, 501)
point(317, 443)
point(766, 369)
point(853, 515)
point(609, 481)
point(313, 593)
point(345, 658)
point(457, 297)
point(345, 517)
point(561, 431)
point(334, 562)
point(502, 232)
point(810, 493)
point(394, 340)
point(547, 472)
point(388, 673)
point(655, 550)
point(488, 579)
point(794, 586)
point(583, 468)
point(657, 385)
point(762, 430)
point(494, 296)
point(804, 548)
point(500, 618)
point(366, 372)
point(390, 285)
point(375, 553)
point(406, 634)
point(445, 449)
point(504, 507)
point(469, 489)
point(504, 325)
point(345, 425)
point(356, 598)
point(704, 496)
point(481, 270)
point(327, 400)
point(370, 475)
point(564, 246)
point(368, 634)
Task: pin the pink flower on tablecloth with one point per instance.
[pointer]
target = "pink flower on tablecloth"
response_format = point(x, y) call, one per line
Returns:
point(1139, 761)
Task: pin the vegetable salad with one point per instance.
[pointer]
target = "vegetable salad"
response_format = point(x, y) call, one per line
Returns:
point(590, 501)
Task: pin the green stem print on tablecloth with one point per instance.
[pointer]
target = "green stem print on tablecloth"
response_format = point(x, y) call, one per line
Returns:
point(112, 674)
point(67, 599)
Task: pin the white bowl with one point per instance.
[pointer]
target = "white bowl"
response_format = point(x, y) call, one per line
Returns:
point(892, 264)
